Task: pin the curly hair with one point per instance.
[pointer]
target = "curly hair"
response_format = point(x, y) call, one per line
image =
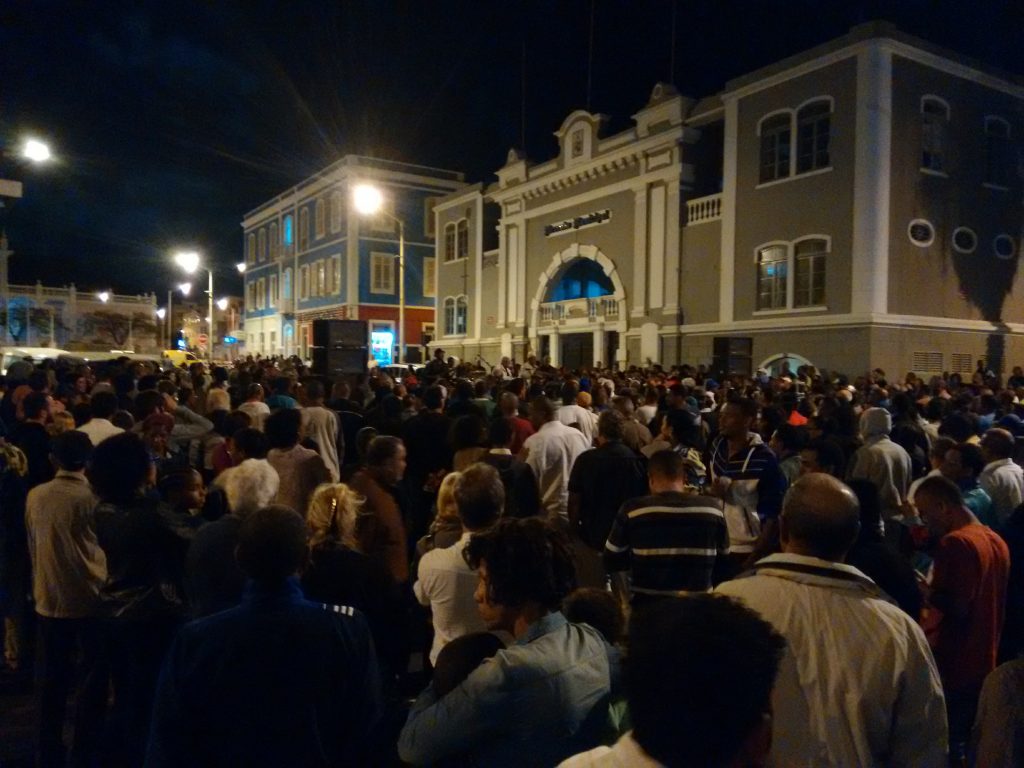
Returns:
point(527, 560)
point(332, 515)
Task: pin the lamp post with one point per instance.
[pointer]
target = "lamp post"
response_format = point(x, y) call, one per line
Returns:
point(369, 201)
point(189, 261)
point(185, 289)
point(161, 313)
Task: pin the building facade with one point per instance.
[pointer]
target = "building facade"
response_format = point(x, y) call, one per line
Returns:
point(858, 205)
point(309, 255)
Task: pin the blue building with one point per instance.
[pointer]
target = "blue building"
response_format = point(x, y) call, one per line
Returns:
point(310, 255)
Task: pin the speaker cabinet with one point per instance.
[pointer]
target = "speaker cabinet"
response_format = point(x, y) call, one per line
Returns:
point(732, 354)
point(334, 334)
point(334, 363)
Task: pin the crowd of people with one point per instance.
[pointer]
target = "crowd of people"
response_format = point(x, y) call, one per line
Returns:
point(255, 565)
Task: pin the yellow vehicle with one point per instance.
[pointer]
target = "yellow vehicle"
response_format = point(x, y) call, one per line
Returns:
point(179, 357)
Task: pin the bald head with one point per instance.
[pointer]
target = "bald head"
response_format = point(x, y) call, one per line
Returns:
point(508, 404)
point(820, 518)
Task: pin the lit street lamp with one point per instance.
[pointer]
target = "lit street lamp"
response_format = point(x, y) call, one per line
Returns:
point(103, 296)
point(369, 201)
point(190, 262)
point(36, 151)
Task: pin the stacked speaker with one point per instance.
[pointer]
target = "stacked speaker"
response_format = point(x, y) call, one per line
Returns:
point(340, 347)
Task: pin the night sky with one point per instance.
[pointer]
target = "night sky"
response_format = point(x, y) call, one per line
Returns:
point(171, 120)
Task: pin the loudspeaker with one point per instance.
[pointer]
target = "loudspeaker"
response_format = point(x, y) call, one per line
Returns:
point(335, 334)
point(732, 354)
point(340, 362)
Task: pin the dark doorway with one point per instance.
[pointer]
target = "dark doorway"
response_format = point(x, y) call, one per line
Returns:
point(577, 350)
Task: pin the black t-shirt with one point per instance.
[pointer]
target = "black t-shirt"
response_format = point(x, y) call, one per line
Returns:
point(605, 477)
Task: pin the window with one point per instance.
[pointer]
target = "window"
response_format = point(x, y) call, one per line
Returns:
point(998, 152)
point(776, 136)
point(287, 288)
point(261, 293)
point(303, 281)
point(321, 213)
point(462, 246)
point(273, 342)
point(921, 232)
point(321, 278)
point(934, 122)
point(577, 142)
point(461, 310)
point(382, 273)
point(449, 242)
point(273, 290)
point(303, 229)
point(449, 316)
point(383, 220)
point(250, 254)
point(428, 215)
point(289, 234)
point(261, 253)
point(964, 240)
point(809, 273)
point(792, 275)
point(813, 130)
point(429, 276)
point(772, 277)
point(336, 201)
point(275, 244)
point(336, 271)
point(1004, 247)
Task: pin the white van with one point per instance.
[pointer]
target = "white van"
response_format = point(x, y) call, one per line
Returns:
point(10, 355)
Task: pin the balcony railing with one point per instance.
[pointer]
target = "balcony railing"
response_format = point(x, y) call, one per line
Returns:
point(554, 312)
point(702, 209)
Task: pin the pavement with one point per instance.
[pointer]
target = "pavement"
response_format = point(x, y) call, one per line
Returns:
point(17, 721)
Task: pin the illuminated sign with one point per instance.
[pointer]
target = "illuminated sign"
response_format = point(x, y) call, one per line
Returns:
point(381, 345)
point(230, 340)
point(579, 222)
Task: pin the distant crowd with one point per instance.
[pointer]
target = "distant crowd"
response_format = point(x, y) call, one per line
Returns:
point(516, 565)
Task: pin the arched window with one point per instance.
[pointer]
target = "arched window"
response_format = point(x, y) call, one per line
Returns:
point(287, 290)
point(461, 312)
point(289, 230)
point(336, 200)
point(262, 254)
point(934, 123)
point(250, 253)
point(772, 276)
point(809, 272)
point(792, 275)
point(582, 279)
point(776, 136)
point(321, 218)
point(813, 132)
point(462, 248)
point(303, 229)
point(449, 242)
point(449, 316)
point(998, 152)
point(275, 244)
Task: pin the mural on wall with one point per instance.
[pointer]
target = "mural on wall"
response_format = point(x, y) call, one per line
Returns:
point(106, 329)
point(24, 323)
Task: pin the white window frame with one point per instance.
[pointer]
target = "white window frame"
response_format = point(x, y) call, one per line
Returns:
point(273, 291)
point(957, 248)
point(261, 293)
point(795, 150)
point(336, 212)
point(1013, 246)
point(790, 248)
point(912, 224)
point(942, 131)
point(450, 237)
point(336, 274)
point(319, 277)
point(429, 276)
point(461, 312)
point(449, 327)
point(303, 235)
point(303, 282)
point(382, 266)
point(760, 148)
point(275, 241)
point(261, 249)
point(250, 248)
point(320, 218)
point(461, 244)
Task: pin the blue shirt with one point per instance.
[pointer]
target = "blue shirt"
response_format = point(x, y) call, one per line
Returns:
point(537, 702)
point(277, 681)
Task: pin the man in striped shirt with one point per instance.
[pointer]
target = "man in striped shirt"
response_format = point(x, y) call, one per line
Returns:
point(671, 542)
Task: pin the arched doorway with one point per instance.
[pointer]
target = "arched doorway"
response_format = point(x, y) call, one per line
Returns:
point(776, 364)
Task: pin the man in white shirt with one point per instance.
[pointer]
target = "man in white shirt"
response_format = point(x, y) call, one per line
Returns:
point(320, 425)
point(858, 684)
point(445, 582)
point(254, 407)
point(1001, 479)
point(102, 405)
point(571, 414)
point(503, 370)
point(550, 453)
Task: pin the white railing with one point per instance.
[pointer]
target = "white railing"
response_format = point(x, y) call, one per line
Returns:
point(559, 311)
point(702, 209)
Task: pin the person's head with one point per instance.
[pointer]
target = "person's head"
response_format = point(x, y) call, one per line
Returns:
point(71, 451)
point(711, 644)
point(508, 404)
point(183, 489)
point(103, 405)
point(248, 443)
point(147, 403)
point(996, 444)
point(272, 544)
point(597, 607)
point(787, 440)
point(466, 432)
point(875, 422)
point(254, 393)
point(963, 463)
point(433, 398)
point(682, 428)
point(282, 428)
point(941, 505)
point(821, 455)
point(35, 406)
point(251, 485)
point(479, 496)
point(737, 417)
point(666, 471)
point(624, 405)
point(525, 570)
point(820, 518)
point(447, 509)
point(120, 468)
point(939, 448)
point(460, 657)
point(542, 410)
point(332, 515)
point(313, 391)
point(123, 419)
point(499, 433)
point(386, 457)
point(570, 389)
point(610, 425)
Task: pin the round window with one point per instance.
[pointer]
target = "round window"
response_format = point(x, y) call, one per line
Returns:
point(1004, 246)
point(964, 240)
point(921, 232)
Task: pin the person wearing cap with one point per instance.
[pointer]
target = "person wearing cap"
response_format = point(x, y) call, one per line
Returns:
point(882, 461)
point(68, 571)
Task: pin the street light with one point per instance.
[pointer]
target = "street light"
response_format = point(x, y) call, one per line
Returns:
point(190, 262)
point(36, 151)
point(103, 296)
point(369, 201)
point(222, 304)
point(240, 266)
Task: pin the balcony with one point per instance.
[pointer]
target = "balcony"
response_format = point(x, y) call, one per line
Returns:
point(703, 209)
point(557, 312)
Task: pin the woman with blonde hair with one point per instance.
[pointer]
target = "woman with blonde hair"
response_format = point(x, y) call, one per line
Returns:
point(337, 573)
point(446, 529)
